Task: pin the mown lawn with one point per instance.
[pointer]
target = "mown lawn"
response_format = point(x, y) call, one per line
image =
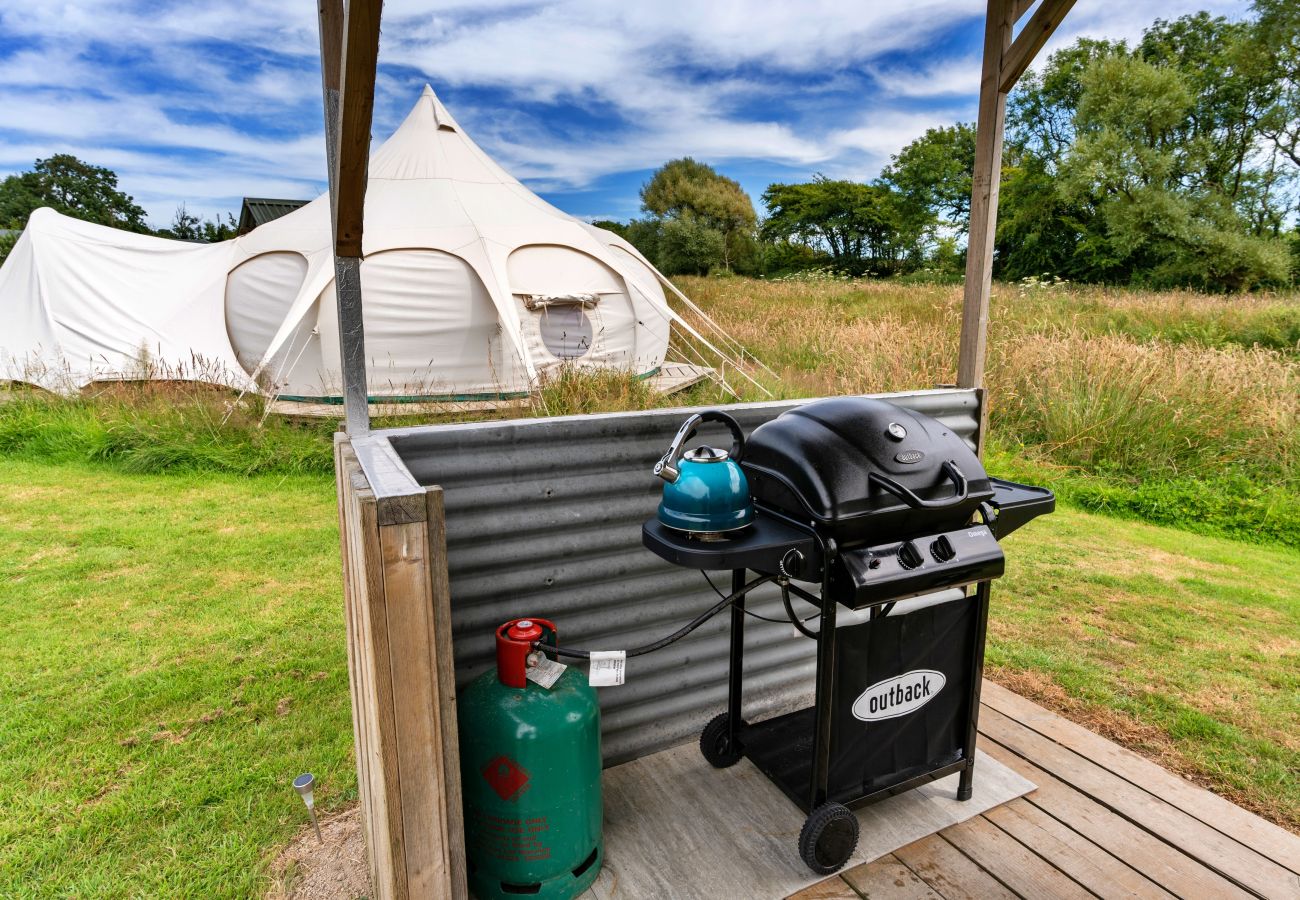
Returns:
point(173, 654)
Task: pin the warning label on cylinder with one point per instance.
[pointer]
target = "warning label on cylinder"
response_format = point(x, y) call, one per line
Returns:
point(510, 839)
point(506, 777)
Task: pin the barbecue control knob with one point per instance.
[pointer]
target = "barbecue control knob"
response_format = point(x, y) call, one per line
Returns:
point(909, 557)
point(942, 550)
point(896, 431)
point(791, 564)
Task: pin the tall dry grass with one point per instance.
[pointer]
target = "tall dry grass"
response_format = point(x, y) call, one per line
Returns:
point(1153, 403)
point(1143, 398)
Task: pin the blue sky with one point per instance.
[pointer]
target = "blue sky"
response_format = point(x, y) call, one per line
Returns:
point(206, 103)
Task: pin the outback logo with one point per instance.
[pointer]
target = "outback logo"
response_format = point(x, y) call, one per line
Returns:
point(910, 456)
point(899, 695)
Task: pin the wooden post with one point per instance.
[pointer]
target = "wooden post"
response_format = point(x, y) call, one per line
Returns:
point(1004, 63)
point(349, 43)
point(398, 613)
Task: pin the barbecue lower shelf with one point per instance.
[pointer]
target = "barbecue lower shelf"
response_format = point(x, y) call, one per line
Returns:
point(782, 748)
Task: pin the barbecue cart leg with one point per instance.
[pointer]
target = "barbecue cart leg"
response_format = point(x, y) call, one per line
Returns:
point(966, 783)
point(824, 701)
point(737, 659)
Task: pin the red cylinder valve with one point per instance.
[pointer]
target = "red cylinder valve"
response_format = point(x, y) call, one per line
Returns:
point(515, 641)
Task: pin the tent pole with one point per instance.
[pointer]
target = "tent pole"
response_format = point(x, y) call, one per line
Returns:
point(349, 39)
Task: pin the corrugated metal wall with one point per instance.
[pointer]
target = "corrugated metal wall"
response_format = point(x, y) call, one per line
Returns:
point(544, 519)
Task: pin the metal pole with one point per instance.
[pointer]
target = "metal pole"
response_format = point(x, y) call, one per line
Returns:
point(347, 270)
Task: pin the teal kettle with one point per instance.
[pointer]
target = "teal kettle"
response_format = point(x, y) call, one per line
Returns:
point(706, 491)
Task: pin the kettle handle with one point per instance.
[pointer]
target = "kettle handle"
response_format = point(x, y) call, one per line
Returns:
point(666, 468)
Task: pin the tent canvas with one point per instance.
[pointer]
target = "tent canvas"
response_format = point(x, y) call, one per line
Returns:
point(474, 287)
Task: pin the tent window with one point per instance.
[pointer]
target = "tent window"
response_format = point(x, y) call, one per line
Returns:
point(565, 330)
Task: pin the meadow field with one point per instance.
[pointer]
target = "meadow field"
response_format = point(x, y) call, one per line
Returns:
point(173, 652)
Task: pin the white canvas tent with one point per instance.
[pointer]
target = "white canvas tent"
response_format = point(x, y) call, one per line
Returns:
point(473, 287)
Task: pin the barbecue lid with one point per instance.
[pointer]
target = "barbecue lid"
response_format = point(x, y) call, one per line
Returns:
point(848, 457)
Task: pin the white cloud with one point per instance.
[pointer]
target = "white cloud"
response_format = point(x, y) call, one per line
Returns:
point(671, 78)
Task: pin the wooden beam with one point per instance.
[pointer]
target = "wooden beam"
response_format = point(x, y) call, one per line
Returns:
point(984, 199)
point(1030, 40)
point(331, 41)
point(349, 43)
point(356, 107)
point(1022, 7)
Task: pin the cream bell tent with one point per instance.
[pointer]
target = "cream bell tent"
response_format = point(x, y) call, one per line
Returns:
point(473, 288)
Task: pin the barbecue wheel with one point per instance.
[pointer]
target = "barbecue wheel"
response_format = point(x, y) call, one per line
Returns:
point(716, 747)
point(829, 837)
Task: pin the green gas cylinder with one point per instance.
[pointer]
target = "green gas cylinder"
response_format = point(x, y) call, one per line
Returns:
point(530, 774)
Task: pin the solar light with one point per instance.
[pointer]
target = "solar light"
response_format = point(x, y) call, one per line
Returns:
point(303, 784)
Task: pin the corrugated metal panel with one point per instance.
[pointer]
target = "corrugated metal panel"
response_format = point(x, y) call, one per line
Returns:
point(544, 519)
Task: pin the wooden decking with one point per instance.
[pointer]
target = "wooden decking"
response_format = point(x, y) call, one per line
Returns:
point(1103, 822)
point(674, 377)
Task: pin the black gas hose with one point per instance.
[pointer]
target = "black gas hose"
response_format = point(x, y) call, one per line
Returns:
point(677, 635)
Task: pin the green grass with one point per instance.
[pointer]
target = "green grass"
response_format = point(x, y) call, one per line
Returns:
point(1185, 646)
point(173, 650)
point(172, 657)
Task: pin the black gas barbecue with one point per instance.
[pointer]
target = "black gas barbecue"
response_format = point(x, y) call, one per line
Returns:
point(893, 517)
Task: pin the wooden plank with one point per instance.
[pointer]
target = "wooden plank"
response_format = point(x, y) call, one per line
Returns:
point(1161, 862)
point(444, 662)
point(831, 889)
point(345, 464)
point(1031, 39)
point(888, 879)
point(361, 674)
point(984, 200)
point(419, 742)
point(1011, 862)
point(950, 872)
point(1022, 7)
point(1279, 845)
point(1072, 853)
point(1217, 851)
point(375, 693)
point(356, 108)
point(330, 13)
point(679, 376)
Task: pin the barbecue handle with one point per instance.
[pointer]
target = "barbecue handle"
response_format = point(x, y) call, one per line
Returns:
point(950, 471)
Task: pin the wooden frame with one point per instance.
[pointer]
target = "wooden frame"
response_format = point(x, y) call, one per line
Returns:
point(349, 40)
point(397, 597)
point(403, 685)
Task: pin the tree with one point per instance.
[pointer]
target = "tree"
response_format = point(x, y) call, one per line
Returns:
point(189, 227)
point(934, 172)
point(7, 241)
point(695, 196)
point(687, 246)
point(1154, 165)
point(864, 227)
point(72, 187)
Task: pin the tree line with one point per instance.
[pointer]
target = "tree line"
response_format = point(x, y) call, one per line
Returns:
point(1171, 163)
point(1174, 162)
point(84, 191)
